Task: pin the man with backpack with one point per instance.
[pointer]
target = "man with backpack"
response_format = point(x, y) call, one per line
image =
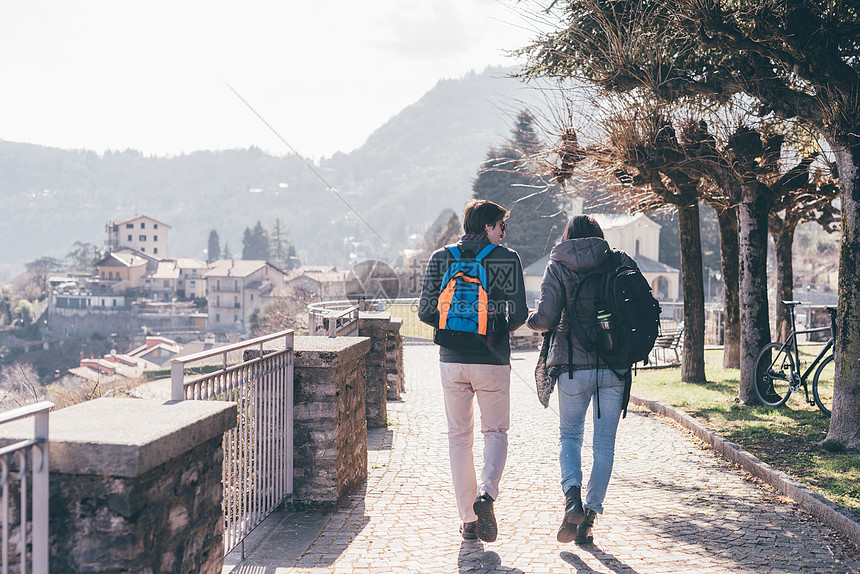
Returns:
point(601, 316)
point(474, 296)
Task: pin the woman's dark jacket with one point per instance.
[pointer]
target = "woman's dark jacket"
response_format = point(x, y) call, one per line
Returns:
point(569, 261)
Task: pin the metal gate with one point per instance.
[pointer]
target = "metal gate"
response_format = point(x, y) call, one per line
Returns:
point(22, 464)
point(258, 452)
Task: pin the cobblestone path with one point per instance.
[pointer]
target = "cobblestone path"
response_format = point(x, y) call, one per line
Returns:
point(672, 505)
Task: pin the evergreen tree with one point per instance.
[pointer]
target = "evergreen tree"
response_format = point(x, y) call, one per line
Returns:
point(6, 296)
point(509, 178)
point(280, 245)
point(214, 249)
point(255, 243)
point(227, 254)
point(292, 258)
point(525, 135)
point(261, 242)
point(247, 244)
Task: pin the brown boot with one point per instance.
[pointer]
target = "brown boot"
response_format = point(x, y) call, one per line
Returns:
point(573, 515)
point(584, 534)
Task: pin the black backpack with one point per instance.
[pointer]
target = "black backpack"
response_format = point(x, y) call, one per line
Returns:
point(628, 316)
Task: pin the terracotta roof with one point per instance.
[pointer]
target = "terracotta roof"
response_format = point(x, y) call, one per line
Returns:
point(645, 265)
point(650, 266)
point(238, 267)
point(610, 220)
point(137, 218)
point(538, 267)
point(122, 258)
point(234, 267)
point(166, 270)
point(320, 276)
point(153, 343)
point(190, 263)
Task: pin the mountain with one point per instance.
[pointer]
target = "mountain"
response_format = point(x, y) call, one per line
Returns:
point(385, 193)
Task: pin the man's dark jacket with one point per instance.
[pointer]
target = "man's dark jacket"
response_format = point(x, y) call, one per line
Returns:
point(506, 293)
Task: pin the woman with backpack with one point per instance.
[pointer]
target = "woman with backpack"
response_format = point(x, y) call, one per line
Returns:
point(582, 375)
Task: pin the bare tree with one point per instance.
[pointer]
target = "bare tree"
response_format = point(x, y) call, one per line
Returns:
point(653, 157)
point(802, 194)
point(287, 310)
point(18, 386)
point(799, 60)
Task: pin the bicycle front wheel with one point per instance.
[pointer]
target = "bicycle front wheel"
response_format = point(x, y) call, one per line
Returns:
point(822, 385)
point(773, 371)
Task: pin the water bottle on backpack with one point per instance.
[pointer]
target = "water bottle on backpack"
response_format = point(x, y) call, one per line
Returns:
point(604, 328)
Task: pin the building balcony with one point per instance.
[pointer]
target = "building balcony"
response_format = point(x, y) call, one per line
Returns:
point(225, 306)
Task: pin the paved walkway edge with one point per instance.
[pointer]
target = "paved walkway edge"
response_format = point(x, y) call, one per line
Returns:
point(823, 509)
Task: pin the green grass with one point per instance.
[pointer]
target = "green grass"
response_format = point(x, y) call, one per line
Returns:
point(411, 327)
point(787, 438)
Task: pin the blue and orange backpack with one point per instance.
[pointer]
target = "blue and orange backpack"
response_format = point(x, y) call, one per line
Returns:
point(466, 318)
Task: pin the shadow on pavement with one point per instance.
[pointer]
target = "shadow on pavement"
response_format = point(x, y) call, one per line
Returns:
point(282, 540)
point(611, 562)
point(380, 439)
point(782, 539)
point(277, 543)
point(475, 560)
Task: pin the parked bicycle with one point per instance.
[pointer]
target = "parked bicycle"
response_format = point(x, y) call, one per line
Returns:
point(777, 371)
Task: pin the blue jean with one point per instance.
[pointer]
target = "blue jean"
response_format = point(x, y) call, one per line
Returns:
point(574, 396)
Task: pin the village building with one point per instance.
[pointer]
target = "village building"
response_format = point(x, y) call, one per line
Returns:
point(140, 233)
point(234, 288)
point(636, 234)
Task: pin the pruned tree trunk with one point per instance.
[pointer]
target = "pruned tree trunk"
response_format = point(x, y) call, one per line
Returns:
point(730, 262)
point(693, 357)
point(845, 422)
point(755, 327)
point(783, 242)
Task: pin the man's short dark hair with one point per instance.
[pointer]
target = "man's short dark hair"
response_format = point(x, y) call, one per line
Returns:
point(481, 212)
point(581, 226)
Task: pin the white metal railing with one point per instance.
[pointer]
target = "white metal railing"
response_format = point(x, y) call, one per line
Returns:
point(334, 318)
point(327, 315)
point(258, 452)
point(14, 464)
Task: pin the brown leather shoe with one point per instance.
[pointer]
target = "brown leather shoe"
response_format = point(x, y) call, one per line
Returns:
point(467, 529)
point(487, 529)
point(584, 532)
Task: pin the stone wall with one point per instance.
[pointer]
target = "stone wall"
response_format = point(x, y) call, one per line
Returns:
point(169, 519)
point(375, 325)
point(330, 429)
point(394, 360)
point(136, 486)
point(83, 323)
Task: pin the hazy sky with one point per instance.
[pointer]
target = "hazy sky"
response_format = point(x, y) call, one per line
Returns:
point(152, 75)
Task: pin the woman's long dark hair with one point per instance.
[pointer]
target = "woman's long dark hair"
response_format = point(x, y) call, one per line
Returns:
point(581, 226)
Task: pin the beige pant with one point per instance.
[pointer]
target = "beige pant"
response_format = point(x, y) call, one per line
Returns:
point(492, 385)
